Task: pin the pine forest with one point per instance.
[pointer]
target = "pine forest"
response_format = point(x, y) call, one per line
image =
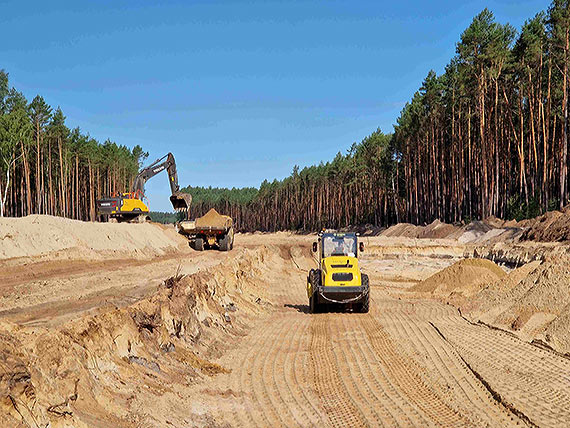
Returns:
point(486, 137)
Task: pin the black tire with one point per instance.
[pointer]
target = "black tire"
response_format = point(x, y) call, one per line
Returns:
point(224, 243)
point(199, 244)
point(315, 281)
point(313, 306)
point(364, 305)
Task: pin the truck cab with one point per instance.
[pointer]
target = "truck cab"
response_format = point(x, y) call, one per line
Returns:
point(338, 279)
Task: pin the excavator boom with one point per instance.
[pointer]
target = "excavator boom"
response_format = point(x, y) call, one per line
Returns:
point(129, 206)
point(180, 201)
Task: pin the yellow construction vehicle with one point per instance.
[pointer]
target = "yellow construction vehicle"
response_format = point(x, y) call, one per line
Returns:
point(338, 279)
point(130, 207)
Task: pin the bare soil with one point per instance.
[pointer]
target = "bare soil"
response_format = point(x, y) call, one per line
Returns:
point(162, 336)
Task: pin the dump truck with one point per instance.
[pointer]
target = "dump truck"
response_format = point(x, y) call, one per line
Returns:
point(129, 206)
point(338, 279)
point(209, 231)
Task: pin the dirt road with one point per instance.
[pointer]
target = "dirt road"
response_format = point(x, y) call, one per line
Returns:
point(407, 363)
point(108, 343)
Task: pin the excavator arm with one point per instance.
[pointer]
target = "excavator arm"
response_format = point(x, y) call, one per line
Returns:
point(180, 201)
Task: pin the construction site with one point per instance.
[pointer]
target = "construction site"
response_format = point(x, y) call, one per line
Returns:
point(125, 325)
point(285, 214)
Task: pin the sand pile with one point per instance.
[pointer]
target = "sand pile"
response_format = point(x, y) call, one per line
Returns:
point(405, 230)
point(485, 231)
point(215, 220)
point(464, 277)
point(438, 229)
point(553, 226)
point(533, 300)
point(434, 230)
point(40, 235)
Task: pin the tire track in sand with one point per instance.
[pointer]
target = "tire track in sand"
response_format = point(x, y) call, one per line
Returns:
point(407, 376)
point(337, 404)
point(370, 375)
point(532, 381)
point(457, 383)
point(269, 394)
point(351, 377)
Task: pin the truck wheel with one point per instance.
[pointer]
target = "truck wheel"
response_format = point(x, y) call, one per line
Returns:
point(225, 243)
point(199, 244)
point(364, 305)
point(315, 280)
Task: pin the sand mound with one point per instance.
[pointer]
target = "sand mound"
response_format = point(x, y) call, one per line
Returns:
point(437, 229)
point(488, 230)
point(552, 226)
point(406, 230)
point(463, 277)
point(533, 300)
point(434, 230)
point(40, 235)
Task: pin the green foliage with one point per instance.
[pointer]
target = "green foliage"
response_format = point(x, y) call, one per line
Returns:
point(3, 88)
point(166, 218)
point(518, 209)
point(214, 195)
point(15, 128)
point(290, 203)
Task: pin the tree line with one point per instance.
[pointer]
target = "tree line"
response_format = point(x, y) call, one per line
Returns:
point(356, 188)
point(47, 168)
point(487, 137)
point(490, 135)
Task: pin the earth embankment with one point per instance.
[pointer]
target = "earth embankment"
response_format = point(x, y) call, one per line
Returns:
point(171, 337)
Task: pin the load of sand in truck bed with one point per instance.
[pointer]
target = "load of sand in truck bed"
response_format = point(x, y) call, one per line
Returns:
point(214, 220)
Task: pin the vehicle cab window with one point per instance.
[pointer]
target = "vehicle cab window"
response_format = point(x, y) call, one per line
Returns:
point(339, 246)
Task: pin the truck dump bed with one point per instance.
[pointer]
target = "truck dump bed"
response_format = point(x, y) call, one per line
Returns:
point(209, 222)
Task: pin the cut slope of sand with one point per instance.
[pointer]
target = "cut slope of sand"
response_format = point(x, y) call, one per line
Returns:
point(42, 236)
point(533, 300)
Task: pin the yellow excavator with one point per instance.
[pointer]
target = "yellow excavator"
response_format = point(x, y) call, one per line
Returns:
point(129, 207)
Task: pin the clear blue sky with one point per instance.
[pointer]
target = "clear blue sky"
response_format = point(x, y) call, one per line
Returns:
point(239, 91)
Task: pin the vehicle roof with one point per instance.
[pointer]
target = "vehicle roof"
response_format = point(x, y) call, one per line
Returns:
point(337, 234)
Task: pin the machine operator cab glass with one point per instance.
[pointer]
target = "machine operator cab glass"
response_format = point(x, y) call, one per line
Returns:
point(339, 245)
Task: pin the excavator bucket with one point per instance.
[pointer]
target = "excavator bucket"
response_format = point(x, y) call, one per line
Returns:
point(181, 201)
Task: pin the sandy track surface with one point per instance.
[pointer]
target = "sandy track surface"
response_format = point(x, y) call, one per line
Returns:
point(404, 364)
point(234, 345)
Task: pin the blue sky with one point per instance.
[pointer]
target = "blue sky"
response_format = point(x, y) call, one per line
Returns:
point(239, 91)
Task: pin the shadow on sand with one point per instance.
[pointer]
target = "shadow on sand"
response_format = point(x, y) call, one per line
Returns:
point(300, 308)
point(322, 309)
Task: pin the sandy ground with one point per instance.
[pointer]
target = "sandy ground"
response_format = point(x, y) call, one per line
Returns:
point(168, 337)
